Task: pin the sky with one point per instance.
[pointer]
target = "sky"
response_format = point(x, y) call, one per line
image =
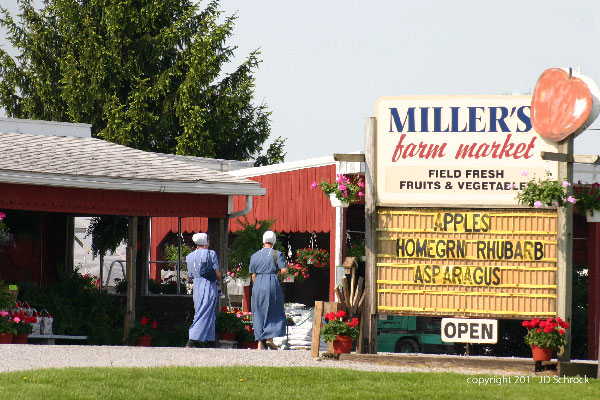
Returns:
point(326, 62)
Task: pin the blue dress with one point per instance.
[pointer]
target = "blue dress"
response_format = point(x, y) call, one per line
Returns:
point(268, 315)
point(205, 297)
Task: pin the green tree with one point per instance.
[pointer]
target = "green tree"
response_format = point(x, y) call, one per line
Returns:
point(147, 74)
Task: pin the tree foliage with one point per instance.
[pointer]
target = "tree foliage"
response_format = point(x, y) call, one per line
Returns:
point(146, 74)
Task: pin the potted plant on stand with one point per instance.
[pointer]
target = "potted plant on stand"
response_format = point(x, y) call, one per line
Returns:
point(23, 325)
point(588, 201)
point(143, 332)
point(545, 192)
point(344, 191)
point(228, 324)
point(341, 333)
point(7, 329)
point(545, 336)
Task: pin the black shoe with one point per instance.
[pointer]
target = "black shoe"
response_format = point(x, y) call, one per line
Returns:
point(191, 344)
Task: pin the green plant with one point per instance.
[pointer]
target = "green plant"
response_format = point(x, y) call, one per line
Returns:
point(23, 323)
point(337, 326)
point(6, 323)
point(548, 333)
point(317, 257)
point(345, 189)
point(79, 308)
point(248, 240)
point(228, 321)
point(143, 327)
point(588, 198)
point(6, 300)
point(5, 235)
point(171, 254)
point(356, 248)
point(545, 192)
point(297, 271)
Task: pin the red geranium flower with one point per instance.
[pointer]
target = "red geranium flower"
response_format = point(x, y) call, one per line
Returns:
point(144, 321)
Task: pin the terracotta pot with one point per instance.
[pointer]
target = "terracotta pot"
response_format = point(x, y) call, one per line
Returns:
point(6, 338)
point(248, 345)
point(541, 353)
point(20, 338)
point(144, 340)
point(227, 336)
point(342, 344)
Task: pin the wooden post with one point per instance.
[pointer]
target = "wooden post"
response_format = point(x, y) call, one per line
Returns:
point(316, 329)
point(131, 276)
point(321, 308)
point(565, 248)
point(370, 314)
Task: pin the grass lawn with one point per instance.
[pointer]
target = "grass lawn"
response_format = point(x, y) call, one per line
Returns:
point(276, 383)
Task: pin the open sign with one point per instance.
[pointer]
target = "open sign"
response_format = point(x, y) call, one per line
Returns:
point(469, 330)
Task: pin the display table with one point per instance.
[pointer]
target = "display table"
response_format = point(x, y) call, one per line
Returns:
point(51, 339)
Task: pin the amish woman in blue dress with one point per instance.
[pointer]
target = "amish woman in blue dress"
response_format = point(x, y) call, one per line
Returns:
point(268, 315)
point(205, 292)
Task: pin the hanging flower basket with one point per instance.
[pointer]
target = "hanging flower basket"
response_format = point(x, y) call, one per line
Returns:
point(335, 202)
point(592, 217)
point(317, 257)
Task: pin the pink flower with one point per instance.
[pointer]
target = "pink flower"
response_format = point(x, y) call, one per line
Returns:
point(314, 185)
point(554, 203)
point(361, 184)
point(2, 215)
point(525, 173)
point(342, 187)
point(361, 194)
point(17, 319)
point(571, 199)
point(537, 204)
point(3, 313)
point(566, 184)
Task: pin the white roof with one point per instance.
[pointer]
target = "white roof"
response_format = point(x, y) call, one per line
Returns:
point(72, 161)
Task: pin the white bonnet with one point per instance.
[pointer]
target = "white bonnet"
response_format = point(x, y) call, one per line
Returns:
point(269, 237)
point(201, 239)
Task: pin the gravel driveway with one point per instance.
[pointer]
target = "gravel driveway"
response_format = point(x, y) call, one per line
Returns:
point(17, 357)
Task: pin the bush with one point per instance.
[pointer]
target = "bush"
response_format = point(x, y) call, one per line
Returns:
point(79, 308)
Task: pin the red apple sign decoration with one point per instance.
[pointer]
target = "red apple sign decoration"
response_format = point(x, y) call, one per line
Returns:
point(564, 102)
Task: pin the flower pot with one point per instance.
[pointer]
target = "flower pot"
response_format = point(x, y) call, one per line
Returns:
point(242, 281)
point(20, 338)
point(144, 340)
point(6, 338)
point(227, 336)
point(592, 218)
point(541, 353)
point(337, 202)
point(342, 344)
point(248, 345)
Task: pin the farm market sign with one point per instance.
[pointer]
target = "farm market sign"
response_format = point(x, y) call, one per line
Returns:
point(466, 151)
